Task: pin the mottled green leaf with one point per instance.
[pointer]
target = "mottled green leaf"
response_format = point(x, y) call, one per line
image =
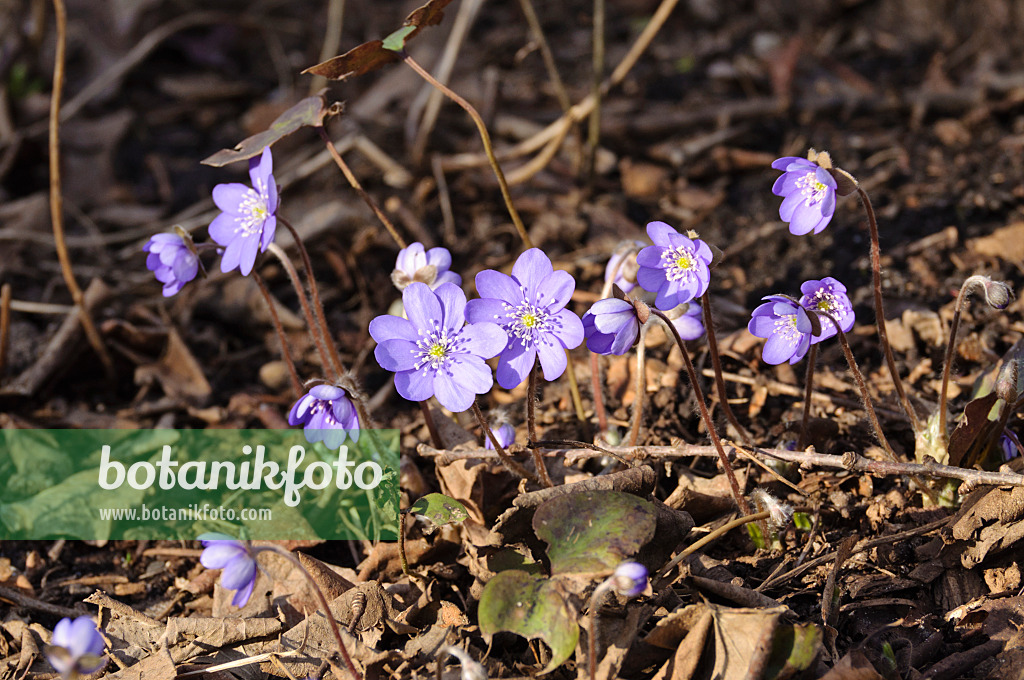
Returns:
point(308, 112)
point(531, 606)
point(396, 41)
point(440, 509)
point(594, 531)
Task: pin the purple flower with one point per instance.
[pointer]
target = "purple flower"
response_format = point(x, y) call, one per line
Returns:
point(675, 267)
point(1008, 445)
point(630, 579)
point(76, 647)
point(530, 306)
point(787, 327)
point(688, 320)
point(622, 267)
point(238, 563)
point(827, 295)
point(172, 260)
point(611, 326)
point(430, 267)
point(504, 433)
point(433, 353)
point(326, 414)
point(248, 220)
point(809, 194)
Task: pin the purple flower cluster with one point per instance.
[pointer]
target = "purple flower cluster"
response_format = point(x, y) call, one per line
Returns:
point(787, 325)
point(809, 195)
point(611, 327)
point(676, 267)
point(173, 261)
point(530, 306)
point(434, 353)
point(326, 414)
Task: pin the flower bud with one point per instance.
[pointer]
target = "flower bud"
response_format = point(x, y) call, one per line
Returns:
point(779, 513)
point(630, 579)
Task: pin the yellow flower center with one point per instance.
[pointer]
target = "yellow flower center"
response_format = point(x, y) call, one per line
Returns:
point(528, 320)
point(436, 351)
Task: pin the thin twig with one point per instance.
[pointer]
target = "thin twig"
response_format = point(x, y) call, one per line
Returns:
point(332, 38)
point(657, 582)
point(545, 52)
point(428, 418)
point(314, 293)
point(594, 124)
point(57, 198)
point(485, 137)
point(598, 396)
point(883, 337)
point(640, 388)
point(293, 275)
point(354, 183)
point(574, 388)
point(5, 324)
point(279, 329)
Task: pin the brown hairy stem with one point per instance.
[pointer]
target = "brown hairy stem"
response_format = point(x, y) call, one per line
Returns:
point(506, 460)
point(428, 418)
point(812, 356)
point(279, 329)
point(531, 427)
point(716, 363)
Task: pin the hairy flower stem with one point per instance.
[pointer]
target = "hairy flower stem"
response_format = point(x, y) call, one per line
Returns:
point(401, 543)
point(883, 337)
point(293, 275)
point(531, 428)
point(947, 360)
point(812, 356)
point(485, 137)
point(658, 581)
point(716, 364)
point(698, 394)
point(428, 418)
point(506, 460)
point(596, 388)
point(323, 604)
point(640, 387)
point(279, 329)
point(354, 183)
point(595, 599)
point(314, 294)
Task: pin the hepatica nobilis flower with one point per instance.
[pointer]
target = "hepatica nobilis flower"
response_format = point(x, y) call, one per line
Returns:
point(237, 562)
point(76, 647)
point(809, 194)
point(173, 261)
point(688, 320)
point(248, 221)
point(429, 267)
point(828, 295)
point(611, 326)
point(787, 327)
point(675, 267)
point(326, 414)
point(434, 353)
point(530, 306)
point(504, 433)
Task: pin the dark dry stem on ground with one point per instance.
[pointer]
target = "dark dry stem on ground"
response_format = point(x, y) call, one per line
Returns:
point(354, 183)
point(883, 336)
point(716, 363)
point(57, 197)
point(698, 394)
point(812, 357)
point(293, 276)
point(279, 329)
point(659, 581)
point(506, 460)
point(314, 294)
point(485, 137)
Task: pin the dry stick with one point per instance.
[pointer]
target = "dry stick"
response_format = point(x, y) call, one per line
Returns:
point(293, 275)
point(332, 38)
point(484, 137)
point(5, 324)
point(574, 388)
point(714, 535)
point(698, 394)
point(848, 461)
point(323, 603)
point(594, 124)
point(883, 337)
point(428, 418)
point(510, 465)
point(314, 291)
point(716, 363)
point(279, 329)
point(57, 199)
point(812, 356)
point(545, 52)
point(531, 428)
point(354, 183)
point(640, 387)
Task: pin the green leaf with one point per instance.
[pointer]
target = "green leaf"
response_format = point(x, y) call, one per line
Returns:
point(594, 531)
point(795, 648)
point(396, 41)
point(440, 509)
point(531, 606)
point(308, 112)
point(802, 521)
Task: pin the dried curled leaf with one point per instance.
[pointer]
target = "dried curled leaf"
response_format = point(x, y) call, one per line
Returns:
point(376, 53)
point(310, 112)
